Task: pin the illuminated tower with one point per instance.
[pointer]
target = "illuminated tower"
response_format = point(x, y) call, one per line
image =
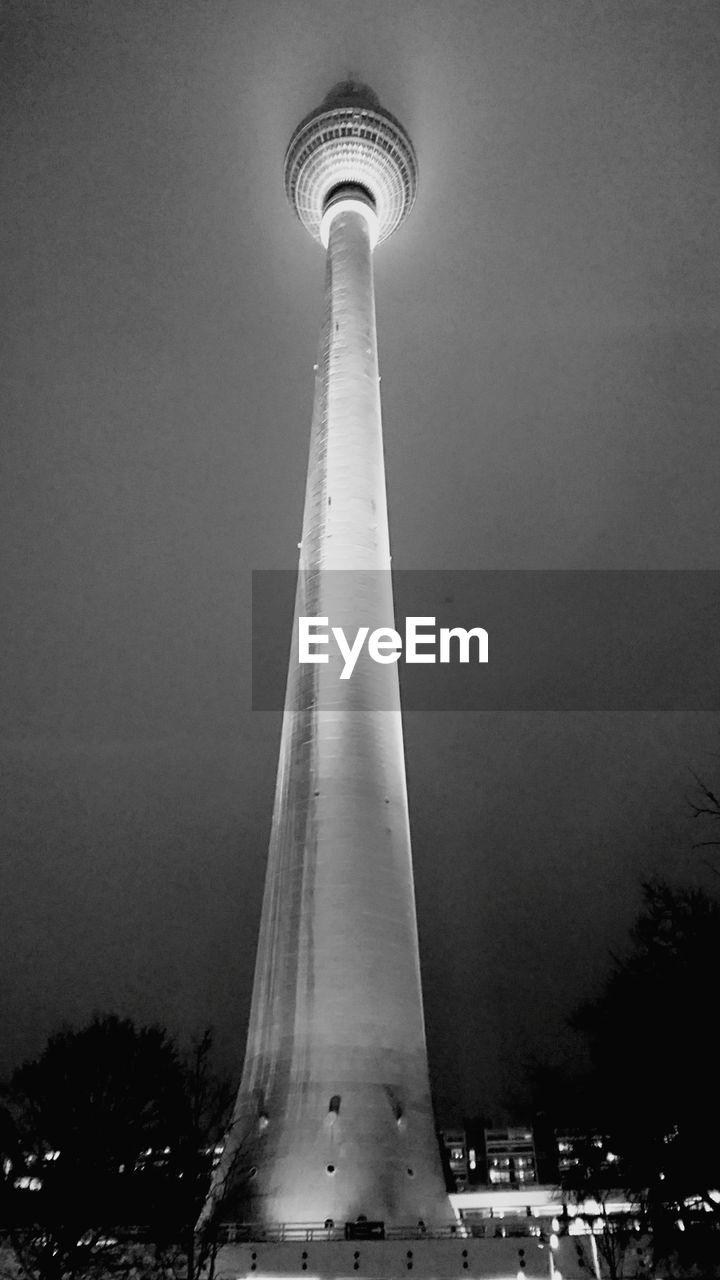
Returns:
point(333, 1117)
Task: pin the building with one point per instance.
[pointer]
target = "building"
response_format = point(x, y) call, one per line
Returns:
point(510, 1155)
point(586, 1154)
point(331, 1165)
point(333, 1121)
point(455, 1146)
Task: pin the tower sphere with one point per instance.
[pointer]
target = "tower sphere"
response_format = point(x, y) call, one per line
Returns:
point(351, 141)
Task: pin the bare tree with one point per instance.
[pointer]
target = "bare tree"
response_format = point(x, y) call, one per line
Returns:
point(591, 1184)
point(706, 806)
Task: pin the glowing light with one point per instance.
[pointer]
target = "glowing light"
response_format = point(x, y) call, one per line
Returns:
point(349, 204)
point(354, 141)
point(554, 1241)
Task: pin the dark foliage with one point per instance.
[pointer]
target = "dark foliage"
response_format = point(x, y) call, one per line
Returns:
point(105, 1152)
point(652, 1040)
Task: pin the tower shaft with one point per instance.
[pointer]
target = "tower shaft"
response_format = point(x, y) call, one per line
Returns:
point(333, 1117)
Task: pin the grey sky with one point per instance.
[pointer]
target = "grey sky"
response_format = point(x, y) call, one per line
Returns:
point(548, 340)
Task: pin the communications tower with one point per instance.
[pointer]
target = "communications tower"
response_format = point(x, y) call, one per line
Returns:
point(333, 1119)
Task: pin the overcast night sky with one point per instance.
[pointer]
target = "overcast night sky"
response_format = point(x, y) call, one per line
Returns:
point(548, 329)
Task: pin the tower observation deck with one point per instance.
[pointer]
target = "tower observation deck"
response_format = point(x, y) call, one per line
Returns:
point(333, 1118)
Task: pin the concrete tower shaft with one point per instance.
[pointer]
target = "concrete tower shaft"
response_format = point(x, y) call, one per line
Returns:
point(333, 1117)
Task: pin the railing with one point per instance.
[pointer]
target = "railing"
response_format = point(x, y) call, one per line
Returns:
point(278, 1232)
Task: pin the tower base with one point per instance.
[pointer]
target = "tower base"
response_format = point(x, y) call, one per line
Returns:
point(453, 1258)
